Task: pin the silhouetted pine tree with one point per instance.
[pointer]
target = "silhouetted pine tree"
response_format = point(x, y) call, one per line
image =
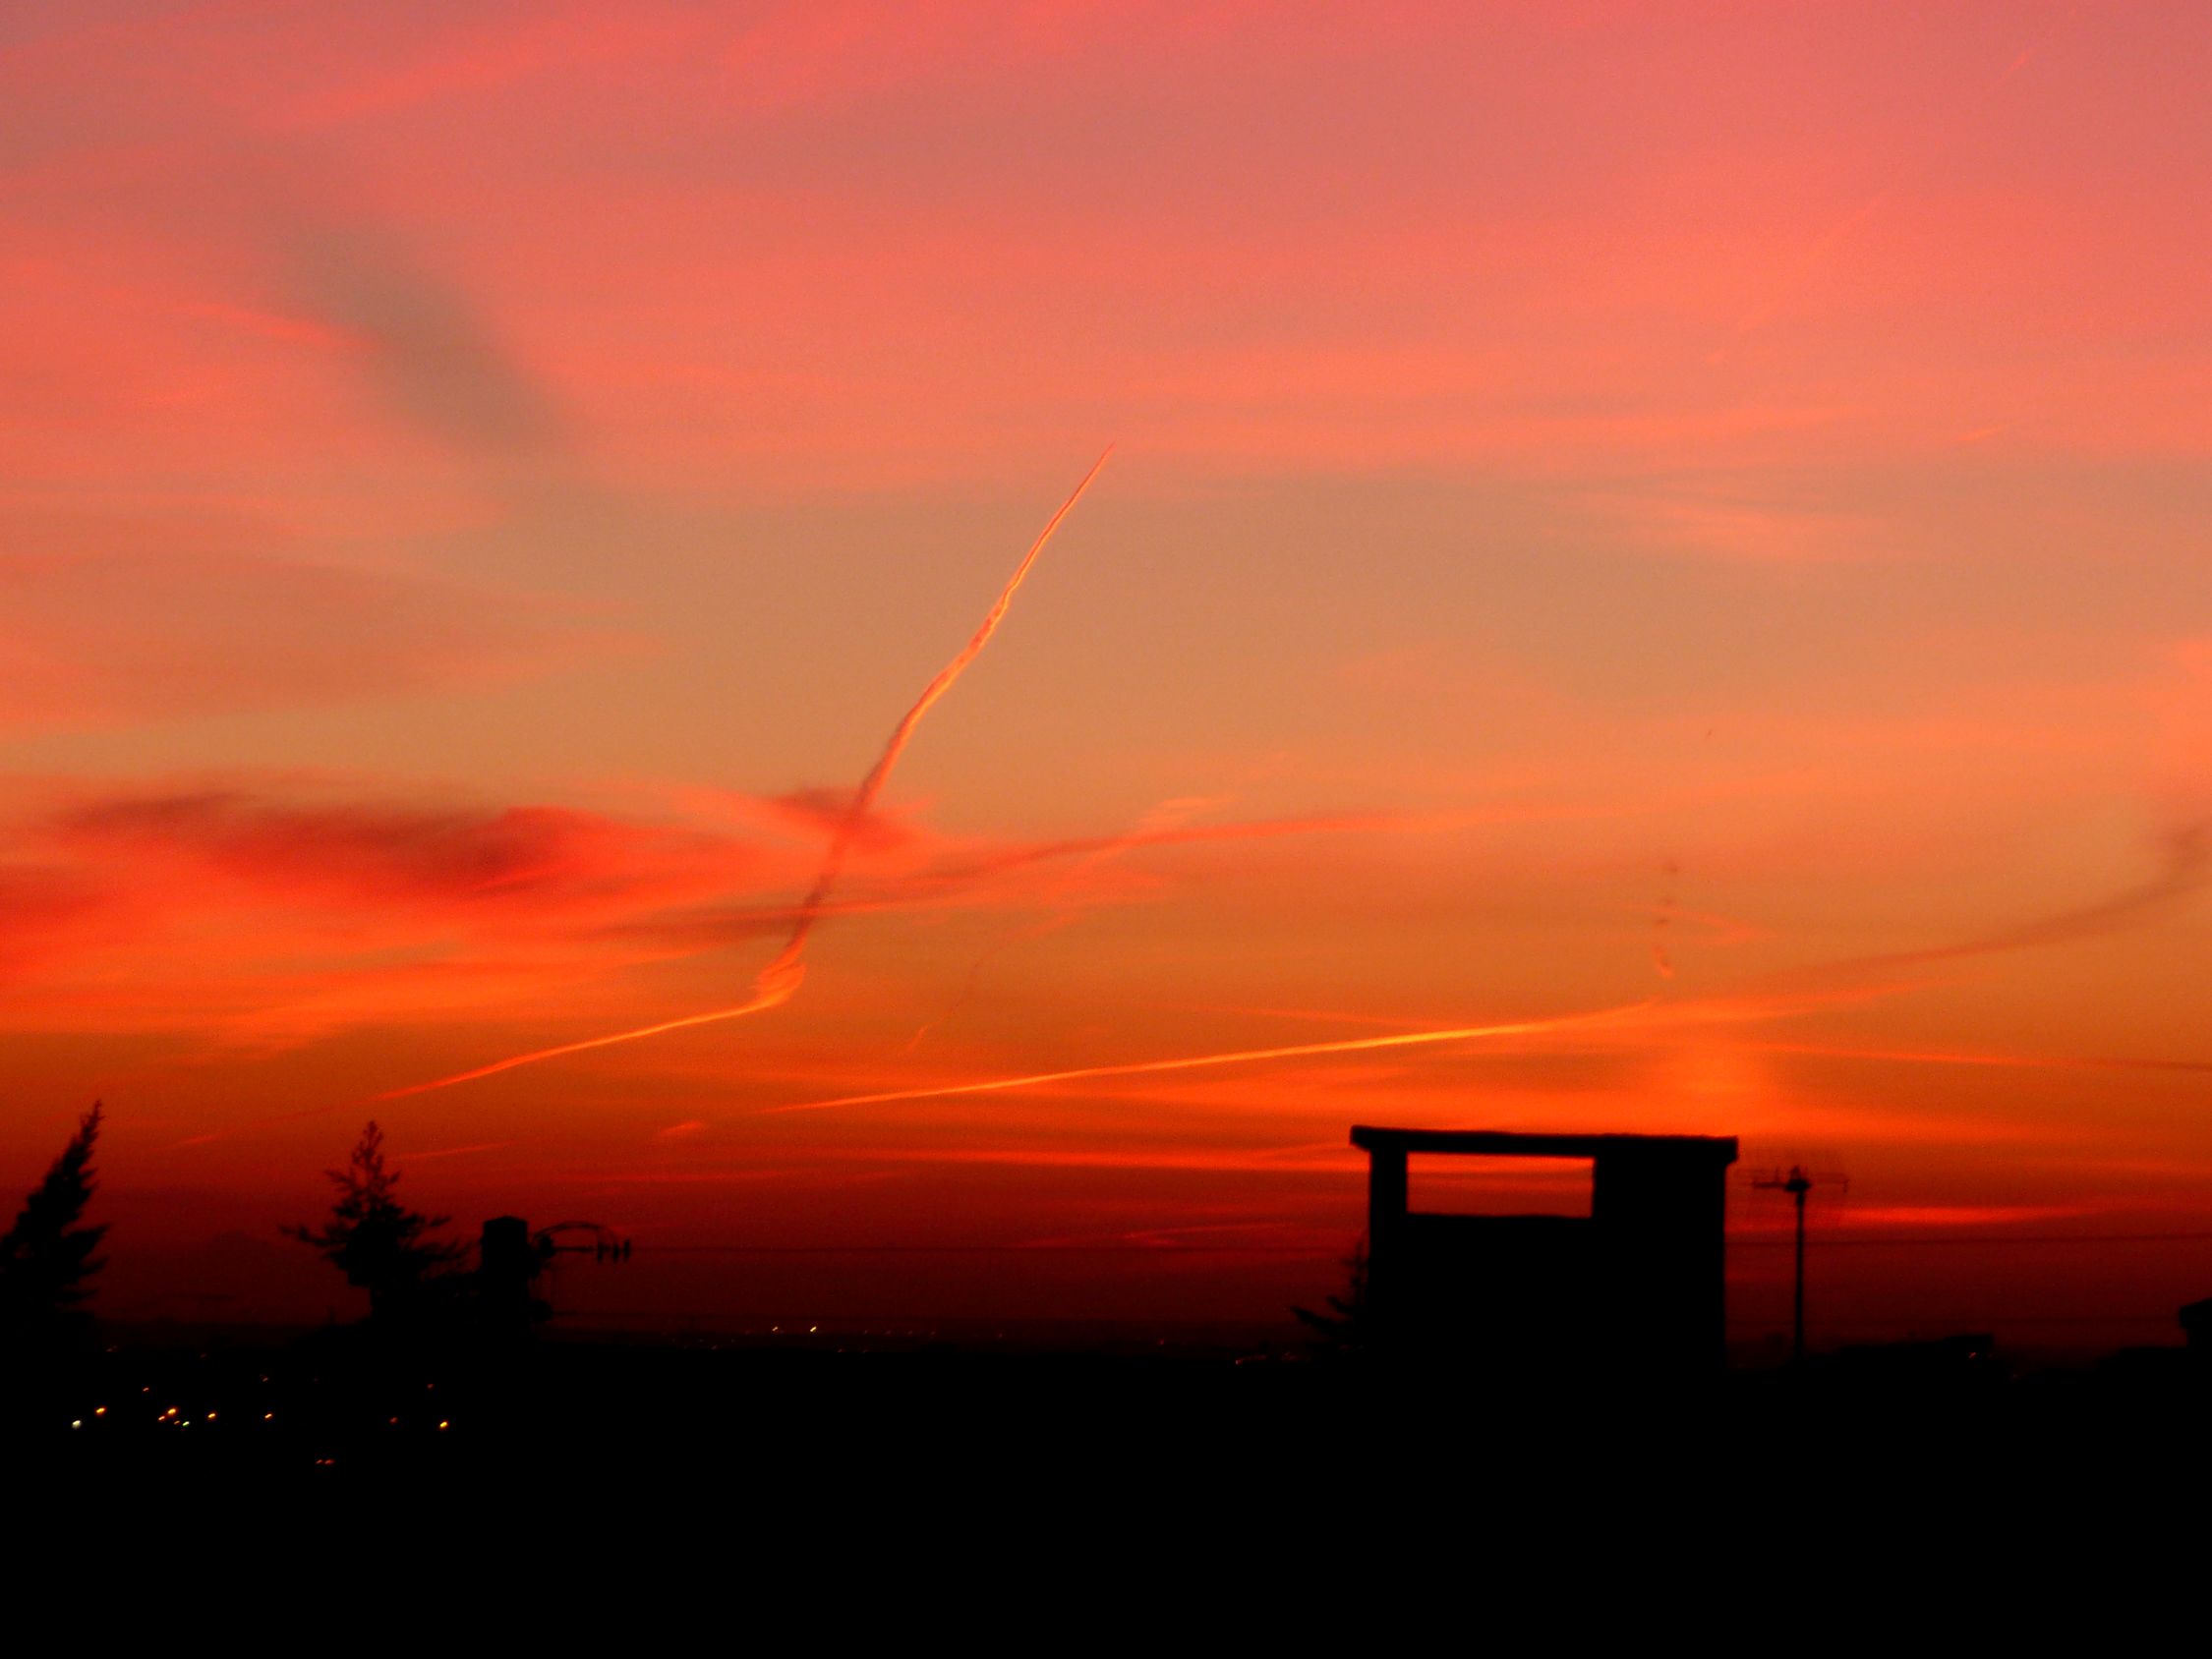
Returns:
point(46, 1257)
point(380, 1245)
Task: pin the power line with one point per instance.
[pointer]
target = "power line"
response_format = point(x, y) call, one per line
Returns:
point(1955, 1322)
point(1306, 1250)
point(1987, 1240)
point(1887, 1242)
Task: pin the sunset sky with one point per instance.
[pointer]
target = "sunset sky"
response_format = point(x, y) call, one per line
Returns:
point(1675, 528)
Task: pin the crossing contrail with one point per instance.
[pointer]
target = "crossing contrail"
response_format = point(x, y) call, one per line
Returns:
point(778, 982)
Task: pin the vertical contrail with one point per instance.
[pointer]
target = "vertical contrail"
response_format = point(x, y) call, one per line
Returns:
point(780, 981)
point(787, 961)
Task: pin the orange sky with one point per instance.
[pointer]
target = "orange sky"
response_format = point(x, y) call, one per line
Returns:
point(1690, 514)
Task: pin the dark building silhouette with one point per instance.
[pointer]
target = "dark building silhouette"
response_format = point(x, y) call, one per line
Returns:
point(2196, 1327)
point(507, 1260)
point(510, 1258)
point(1635, 1285)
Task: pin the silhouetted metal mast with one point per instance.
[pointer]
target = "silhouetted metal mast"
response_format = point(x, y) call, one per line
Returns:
point(605, 1244)
point(1796, 1183)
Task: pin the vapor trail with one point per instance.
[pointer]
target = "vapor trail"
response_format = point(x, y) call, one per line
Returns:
point(864, 798)
point(2186, 867)
point(2009, 1062)
point(1343, 1046)
point(780, 981)
point(761, 1000)
point(1704, 1010)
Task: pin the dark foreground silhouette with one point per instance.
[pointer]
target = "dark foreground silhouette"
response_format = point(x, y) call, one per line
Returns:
point(1179, 1462)
point(455, 1390)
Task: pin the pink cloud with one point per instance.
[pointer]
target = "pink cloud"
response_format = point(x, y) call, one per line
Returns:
point(282, 904)
point(287, 906)
point(544, 858)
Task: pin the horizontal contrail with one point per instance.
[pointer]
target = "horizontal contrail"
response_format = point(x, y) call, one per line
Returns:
point(1241, 1057)
point(1971, 1058)
point(2186, 867)
point(756, 1005)
point(780, 981)
point(1708, 1010)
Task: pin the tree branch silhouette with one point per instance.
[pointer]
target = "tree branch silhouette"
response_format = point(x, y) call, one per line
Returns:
point(378, 1243)
point(46, 1257)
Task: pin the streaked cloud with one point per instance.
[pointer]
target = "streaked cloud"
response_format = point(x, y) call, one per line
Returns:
point(101, 624)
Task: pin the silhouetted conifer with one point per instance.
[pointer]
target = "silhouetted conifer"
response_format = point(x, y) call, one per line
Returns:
point(46, 1257)
point(380, 1245)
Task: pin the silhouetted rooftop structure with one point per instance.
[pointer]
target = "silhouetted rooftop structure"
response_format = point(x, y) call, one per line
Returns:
point(1636, 1285)
point(2196, 1325)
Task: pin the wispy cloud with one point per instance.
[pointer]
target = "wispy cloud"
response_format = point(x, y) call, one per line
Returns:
point(123, 629)
point(434, 356)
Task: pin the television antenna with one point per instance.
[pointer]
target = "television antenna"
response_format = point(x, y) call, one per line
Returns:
point(1797, 1183)
point(605, 1244)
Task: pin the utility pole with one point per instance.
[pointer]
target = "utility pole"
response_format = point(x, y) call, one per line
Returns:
point(1796, 1183)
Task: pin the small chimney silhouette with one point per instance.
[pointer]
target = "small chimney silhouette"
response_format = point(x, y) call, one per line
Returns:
point(2196, 1328)
point(506, 1262)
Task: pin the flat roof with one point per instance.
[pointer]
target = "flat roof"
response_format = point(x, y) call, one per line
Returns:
point(1506, 1143)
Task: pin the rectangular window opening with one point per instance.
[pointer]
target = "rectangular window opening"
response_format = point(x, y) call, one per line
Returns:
point(1445, 1184)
